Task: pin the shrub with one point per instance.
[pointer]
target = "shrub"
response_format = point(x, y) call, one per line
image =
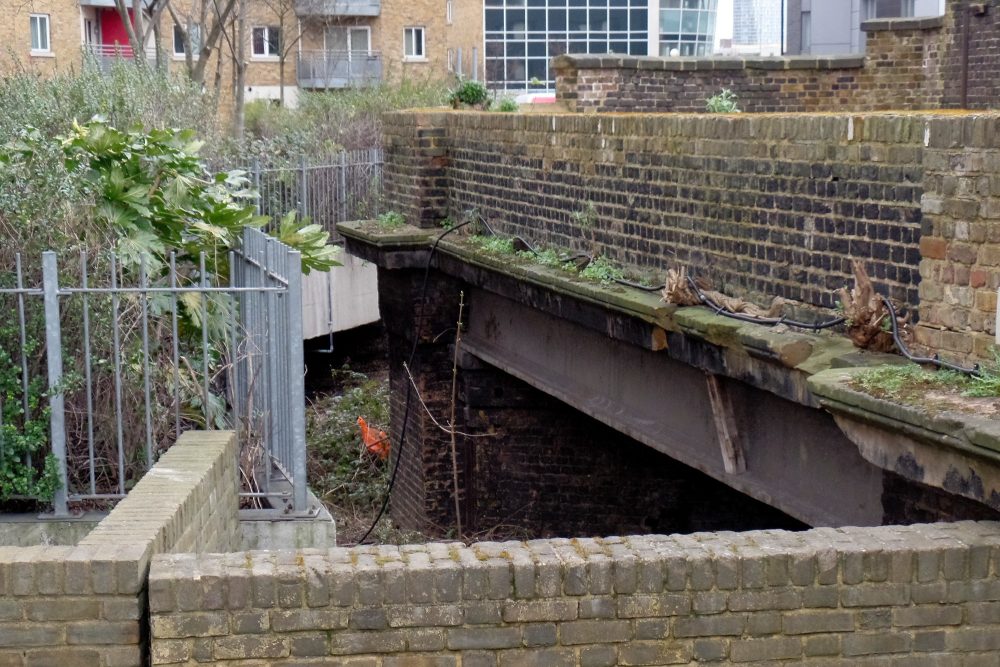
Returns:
point(724, 102)
point(469, 92)
point(507, 105)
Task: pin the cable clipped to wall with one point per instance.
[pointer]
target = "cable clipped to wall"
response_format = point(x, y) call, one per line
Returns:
point(935, 361)
point(721, 309)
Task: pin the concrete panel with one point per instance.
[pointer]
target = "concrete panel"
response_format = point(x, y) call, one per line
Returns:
point(797, 459)
point(351, 289)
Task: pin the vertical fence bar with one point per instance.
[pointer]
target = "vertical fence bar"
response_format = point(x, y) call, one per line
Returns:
point(87, 374)
point(256, 184)
point(303, 187)
point(23, 325)
point(116, 353)
point(206, 401)
point(144, 308)
point(175, 345)
point(271, 355)
point(53, 355)
point(341, 192)
point(233, 383)
point(296, 379)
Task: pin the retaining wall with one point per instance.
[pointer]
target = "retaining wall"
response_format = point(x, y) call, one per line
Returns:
point(760, 205)
point(86, 605)
point(927, 594)
point(902, 69)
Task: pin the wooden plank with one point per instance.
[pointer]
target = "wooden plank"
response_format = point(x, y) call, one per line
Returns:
point(733, 458)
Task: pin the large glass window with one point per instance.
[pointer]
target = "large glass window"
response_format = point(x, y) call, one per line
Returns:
point(687, 27)
point(522, 36)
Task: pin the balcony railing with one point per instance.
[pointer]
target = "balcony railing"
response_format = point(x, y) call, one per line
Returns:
point(339, 69)
point(106, 54)
point(338, 7)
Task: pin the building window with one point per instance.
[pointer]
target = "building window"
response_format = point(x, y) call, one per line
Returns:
point(449, 11)
point(267, 41)
point(194, 35)
point(687, 27)
point(807, 33)
point(39, 24)
point(522, 36)
point(413, 44)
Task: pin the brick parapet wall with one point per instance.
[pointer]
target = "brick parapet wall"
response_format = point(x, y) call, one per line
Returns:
point(928, 593)
point(761, 205)
point(86, 605)
point(904, 67)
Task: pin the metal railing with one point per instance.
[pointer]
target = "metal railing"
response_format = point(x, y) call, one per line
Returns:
point(338, 69)
point(125, 354)
point(105, 55)
point(345, 186)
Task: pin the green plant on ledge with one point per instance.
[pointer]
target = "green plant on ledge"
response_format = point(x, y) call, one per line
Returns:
point(391, 220)
point(724, 102)
point(470, 93)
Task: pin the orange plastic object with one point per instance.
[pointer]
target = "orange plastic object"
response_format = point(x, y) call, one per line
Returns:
point(375, 439)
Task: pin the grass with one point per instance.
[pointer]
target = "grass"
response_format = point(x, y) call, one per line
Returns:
point(910, 383)
point(600, 270)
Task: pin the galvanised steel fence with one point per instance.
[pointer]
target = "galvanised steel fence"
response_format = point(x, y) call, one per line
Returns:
point(345, 186)
point(132, 352)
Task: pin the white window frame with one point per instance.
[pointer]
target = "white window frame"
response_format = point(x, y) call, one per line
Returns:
point(449, 11)
point(267, 55)
point(194, 36)
point(419, 55)
point(47, 49)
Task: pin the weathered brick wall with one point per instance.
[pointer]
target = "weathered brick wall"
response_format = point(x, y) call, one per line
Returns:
point(927, 594)
point(983, 69)
point(901, 70)
point(960, 247)
point(761, 205)
point(617, 83)
point(909, 64)
point(86, 605)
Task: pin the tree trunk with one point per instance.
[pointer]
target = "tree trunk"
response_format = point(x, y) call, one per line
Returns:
point(240, 69)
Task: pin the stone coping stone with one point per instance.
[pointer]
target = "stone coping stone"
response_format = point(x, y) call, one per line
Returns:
point(691, 64)
point(370, 231)
point(805, 352)
point(914, 23)
point(968, 432)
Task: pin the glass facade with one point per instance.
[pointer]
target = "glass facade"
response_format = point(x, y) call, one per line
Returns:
point(523, 35)
point(687, 26)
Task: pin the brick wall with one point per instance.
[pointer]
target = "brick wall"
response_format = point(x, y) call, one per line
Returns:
point(908, 64)
point(762, 206)
point(983, 69)
point(86, 605)
point(927, 594)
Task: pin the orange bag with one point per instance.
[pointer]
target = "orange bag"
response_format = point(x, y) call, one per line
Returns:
point(375, 439)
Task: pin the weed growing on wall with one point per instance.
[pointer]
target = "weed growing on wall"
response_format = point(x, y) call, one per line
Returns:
point(724, 102)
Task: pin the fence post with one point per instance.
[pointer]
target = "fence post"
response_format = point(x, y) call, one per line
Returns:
point(342, 194)
point(296, 379)
point(53, 354)
point(303, 188)
point(256, 184)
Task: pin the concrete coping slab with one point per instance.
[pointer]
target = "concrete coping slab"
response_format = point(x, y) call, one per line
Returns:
point(914, 23)
point(951, 450)
point(692, 64)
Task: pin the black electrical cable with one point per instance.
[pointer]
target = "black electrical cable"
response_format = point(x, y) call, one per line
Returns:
point(770, 321)
point(409, 386)
point(933, 361)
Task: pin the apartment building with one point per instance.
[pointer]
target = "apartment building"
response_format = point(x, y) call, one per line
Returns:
point(289, 44)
